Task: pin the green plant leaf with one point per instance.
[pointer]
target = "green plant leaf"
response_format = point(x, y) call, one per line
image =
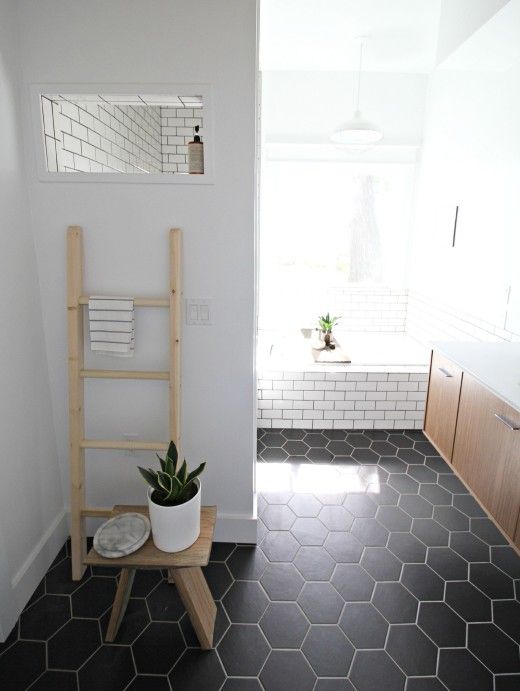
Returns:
point(173, 455)
point(168, 466)
point(165, 482)
point(183, 472)
point(195, 473)
point(151, 477)
point(162, 461)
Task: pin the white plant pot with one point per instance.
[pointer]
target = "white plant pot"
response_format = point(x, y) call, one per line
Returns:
point(175, 528)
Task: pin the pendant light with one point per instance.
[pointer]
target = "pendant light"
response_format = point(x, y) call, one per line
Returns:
point(357, 132)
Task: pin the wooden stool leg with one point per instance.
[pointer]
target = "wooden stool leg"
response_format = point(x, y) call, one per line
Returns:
point(198, 601)
point(124, 588)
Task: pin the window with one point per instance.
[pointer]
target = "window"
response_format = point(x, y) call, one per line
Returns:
point(328, 228)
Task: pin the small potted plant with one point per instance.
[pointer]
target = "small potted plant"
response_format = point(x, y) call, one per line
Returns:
point(173, 502)
point(326, 324)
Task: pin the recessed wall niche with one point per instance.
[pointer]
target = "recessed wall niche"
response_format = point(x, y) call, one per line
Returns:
point(138, 134)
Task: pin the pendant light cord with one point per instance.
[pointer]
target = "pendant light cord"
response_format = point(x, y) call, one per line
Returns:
point(358, 86)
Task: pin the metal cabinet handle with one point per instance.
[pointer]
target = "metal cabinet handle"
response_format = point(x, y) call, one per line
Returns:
point(507, 422)
point(445, 372)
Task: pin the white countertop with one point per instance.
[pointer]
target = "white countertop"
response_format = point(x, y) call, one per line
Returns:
point(496, 365)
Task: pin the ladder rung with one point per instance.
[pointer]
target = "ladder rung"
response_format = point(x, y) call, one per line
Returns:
point(138, 302)
point(96, 512)
point(121, 374)
point(122, 444)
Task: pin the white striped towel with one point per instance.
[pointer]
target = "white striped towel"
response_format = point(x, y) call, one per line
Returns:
point(111, 322)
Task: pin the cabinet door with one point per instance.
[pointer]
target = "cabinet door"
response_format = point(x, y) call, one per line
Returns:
point(443, 403)
point(508, 497)
point(484, 451)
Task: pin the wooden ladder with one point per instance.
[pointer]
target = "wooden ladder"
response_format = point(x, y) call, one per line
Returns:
point(77, 374)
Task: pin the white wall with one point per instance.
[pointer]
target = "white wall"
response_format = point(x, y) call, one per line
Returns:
point(31, 518)
point(471, 158)
point(308, 106)
point(459, 19)
point(126, 238)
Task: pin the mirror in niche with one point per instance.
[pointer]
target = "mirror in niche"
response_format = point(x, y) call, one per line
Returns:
point(121, 133)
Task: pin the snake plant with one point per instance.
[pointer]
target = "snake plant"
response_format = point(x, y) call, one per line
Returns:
point(171, 486)
point(327, 323)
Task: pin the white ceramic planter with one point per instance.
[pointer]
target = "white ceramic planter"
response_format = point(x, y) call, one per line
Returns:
point(175, 528)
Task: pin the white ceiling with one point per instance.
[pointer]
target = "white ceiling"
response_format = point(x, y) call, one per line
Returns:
point(321, 34)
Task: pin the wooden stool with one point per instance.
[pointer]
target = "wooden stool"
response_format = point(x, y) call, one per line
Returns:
point(184, 569)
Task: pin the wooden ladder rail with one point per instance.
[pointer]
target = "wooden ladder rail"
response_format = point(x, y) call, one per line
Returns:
point(77, 374)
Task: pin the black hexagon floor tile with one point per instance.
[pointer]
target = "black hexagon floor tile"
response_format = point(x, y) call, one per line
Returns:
point(280, 546)
point(284, 625)
point(374, 669)
point(197, 669)
point(353, 583)
point(336, 518)
point(364, 625)
point(282, 582)
point(309, 531)
point(22, 664)
point(493, 582)
point(360, 505)
point(447, 563)
point(395, 603)
point(468, 601)
point(343, 547)
point(278, 517)
point(45, 617)
point(459, 669)
point(381, 564)
point(73, 644)
point(287, 669)
point(396, 511)
point(117, 659)
point(506, 615)
point(412, 650)
point(321, 603)
point(158, 648)
point(442, 625)
point(315, 563)
point(247, 562)
point(494, 648)
point(407, 547)
point(369, 532)
point(243, 650)
point(328, 651)
point(245, 602)
point(422, 582)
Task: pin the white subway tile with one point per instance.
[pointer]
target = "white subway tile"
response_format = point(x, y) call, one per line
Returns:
point(323, 405)
point(386, 386)
point(324, 386)
point(292, 414)
point(292, 395)
point(334, 395)
point(313, 395)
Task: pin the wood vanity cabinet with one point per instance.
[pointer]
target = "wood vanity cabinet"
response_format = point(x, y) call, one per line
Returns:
point(486, 452)
point(478, 433)
point(443, 402)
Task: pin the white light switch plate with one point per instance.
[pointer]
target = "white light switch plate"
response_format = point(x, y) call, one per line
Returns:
point(199, 311)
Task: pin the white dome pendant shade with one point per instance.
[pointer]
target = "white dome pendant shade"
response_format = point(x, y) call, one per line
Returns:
point(357, 131)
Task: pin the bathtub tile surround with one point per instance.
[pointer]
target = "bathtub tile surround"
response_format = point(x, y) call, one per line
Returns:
point(374, 569)
point(364, 398)
point(103, 137)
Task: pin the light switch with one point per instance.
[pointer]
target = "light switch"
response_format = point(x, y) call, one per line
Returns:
point(198, 311)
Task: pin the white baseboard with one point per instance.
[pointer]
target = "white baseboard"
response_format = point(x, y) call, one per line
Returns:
point(236, 528)
point(27, 578)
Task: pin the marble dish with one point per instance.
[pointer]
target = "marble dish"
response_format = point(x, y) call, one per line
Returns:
point(122, 535)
